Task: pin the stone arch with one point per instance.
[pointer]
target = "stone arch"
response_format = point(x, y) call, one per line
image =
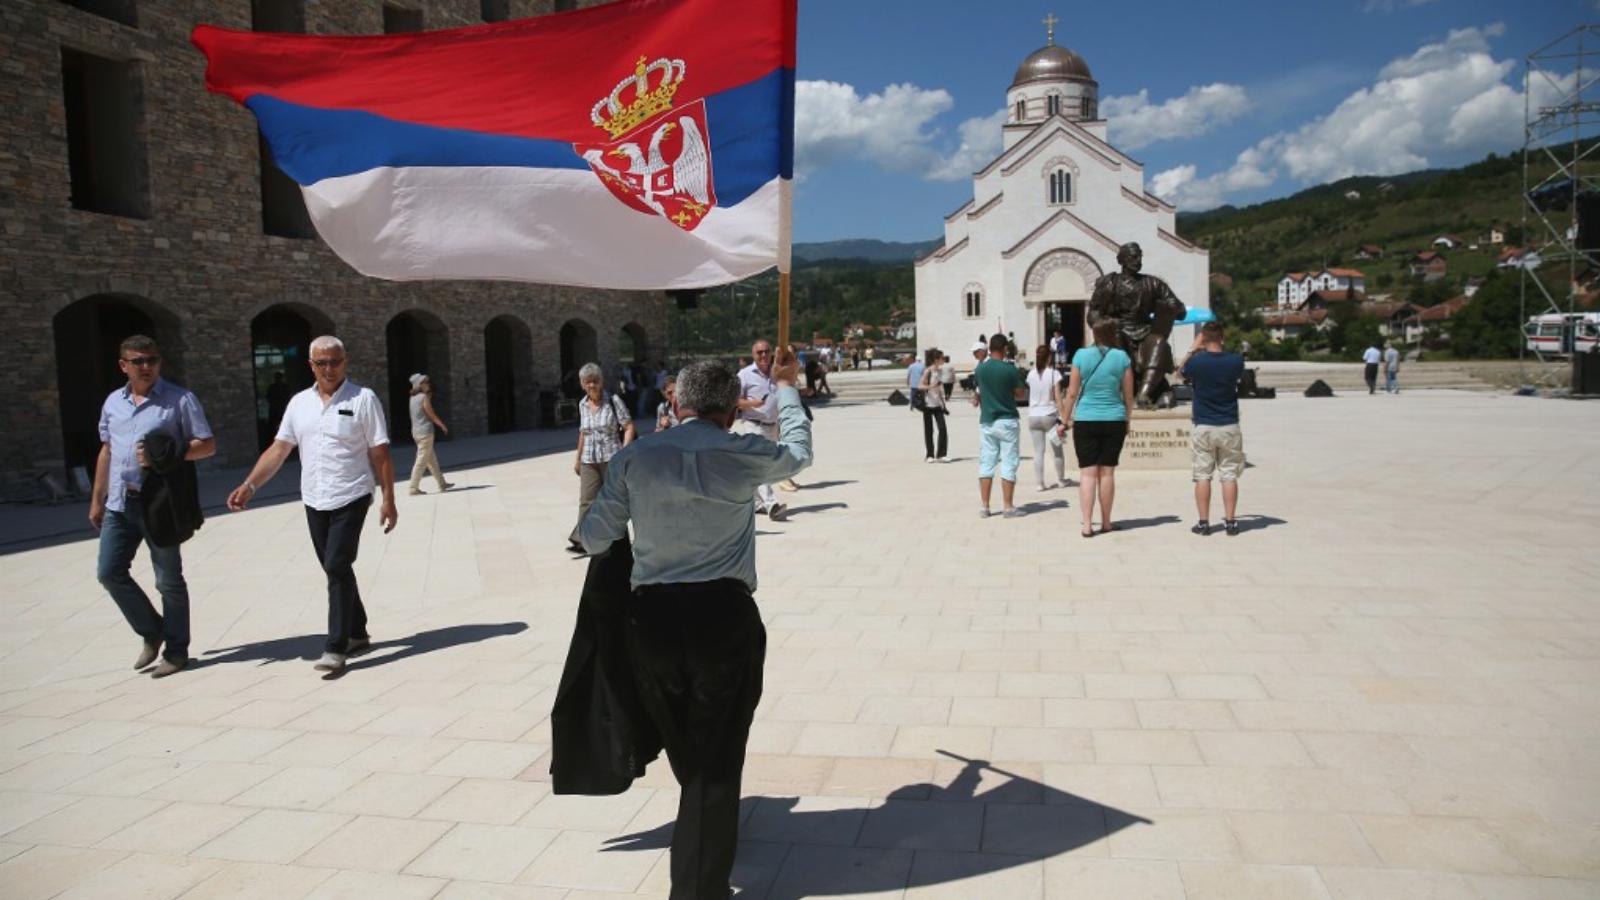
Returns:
point(579, 345)
point(633, 346)
point(417, 341)
point(280, 352)
point(1058, 287)
point(87, 334)
point(509, 385)
point(1061, 274)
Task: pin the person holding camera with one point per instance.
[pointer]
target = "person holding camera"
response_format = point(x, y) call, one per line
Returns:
point(1216, 443)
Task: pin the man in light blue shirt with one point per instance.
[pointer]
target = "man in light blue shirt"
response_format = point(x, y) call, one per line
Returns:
point(914, 378)
point(693, 635)
point(147, 404)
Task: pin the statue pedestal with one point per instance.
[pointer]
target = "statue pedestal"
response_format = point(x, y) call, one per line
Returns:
point(1158, 439)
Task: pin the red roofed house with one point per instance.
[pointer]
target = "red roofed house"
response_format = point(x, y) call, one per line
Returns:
point(1328, 299)
point(1428, 265)
point(1369, 251)
point(1292, 323)
point(1434, 317)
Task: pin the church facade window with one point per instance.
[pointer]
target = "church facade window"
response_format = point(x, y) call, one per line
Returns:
point(1022, 110)
point(1060, 187)
point(1052, 104)
point(972, 301)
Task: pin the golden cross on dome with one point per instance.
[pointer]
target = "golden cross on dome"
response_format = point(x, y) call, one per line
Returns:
point(1050, 22)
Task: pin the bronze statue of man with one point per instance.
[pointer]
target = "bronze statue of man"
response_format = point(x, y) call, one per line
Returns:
point(1144, 309)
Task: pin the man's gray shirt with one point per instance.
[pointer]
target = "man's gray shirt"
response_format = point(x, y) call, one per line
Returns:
point(690, 494)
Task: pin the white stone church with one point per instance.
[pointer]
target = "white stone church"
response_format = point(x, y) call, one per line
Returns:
point(1045, 220)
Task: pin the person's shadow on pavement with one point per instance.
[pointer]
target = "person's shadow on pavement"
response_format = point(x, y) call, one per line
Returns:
point(309, 646)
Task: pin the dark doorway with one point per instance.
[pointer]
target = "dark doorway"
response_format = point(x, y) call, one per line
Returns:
point(280, 341)
point(632, 346)
point(508, 374)
point(86, 336)
point(578, 347)
point(417, 342)
point(1069, 319)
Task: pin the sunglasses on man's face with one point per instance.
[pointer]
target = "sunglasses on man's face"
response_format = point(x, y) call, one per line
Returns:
point(142, 360)
point(763, 352)
point(328, 363)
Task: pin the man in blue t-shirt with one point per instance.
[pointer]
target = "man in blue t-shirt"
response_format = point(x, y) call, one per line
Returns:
point(999, 385)
point(1216, 444)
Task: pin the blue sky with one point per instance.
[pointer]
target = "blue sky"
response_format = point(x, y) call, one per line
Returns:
point(1224, 102)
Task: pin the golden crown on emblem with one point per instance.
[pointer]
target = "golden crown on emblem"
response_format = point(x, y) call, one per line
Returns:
point(647, 100)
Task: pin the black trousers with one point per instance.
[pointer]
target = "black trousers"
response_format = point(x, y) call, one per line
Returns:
point(696, 651)
point(336, 535)
point(1372, 378)
point(929, 418)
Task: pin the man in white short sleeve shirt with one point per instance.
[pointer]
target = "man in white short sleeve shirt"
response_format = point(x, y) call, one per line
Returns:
point(344, 450)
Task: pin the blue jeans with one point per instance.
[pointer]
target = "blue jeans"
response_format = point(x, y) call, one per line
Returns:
point(999, 443)
point(120, 536)
point(1391, 381)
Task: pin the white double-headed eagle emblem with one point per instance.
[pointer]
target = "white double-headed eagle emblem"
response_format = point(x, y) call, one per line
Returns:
point(668, 159)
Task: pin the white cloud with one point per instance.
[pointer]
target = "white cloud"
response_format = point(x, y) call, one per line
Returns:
point(1448, 99)
point(981, 141)
point(1389, 6)
point(1135, 122)
point(893, 129)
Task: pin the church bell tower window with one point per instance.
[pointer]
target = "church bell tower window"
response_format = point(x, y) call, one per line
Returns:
point(1053, 104)
point(1022, 110)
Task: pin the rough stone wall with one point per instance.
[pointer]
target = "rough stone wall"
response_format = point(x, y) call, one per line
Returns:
point(201, 260)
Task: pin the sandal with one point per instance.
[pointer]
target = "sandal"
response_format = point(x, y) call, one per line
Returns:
point(1107, 529)
point(1088, 534)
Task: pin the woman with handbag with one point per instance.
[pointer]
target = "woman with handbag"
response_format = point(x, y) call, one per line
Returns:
point(1099, 395)
point(604, 427)
point(930, 400)
point(1044, 389)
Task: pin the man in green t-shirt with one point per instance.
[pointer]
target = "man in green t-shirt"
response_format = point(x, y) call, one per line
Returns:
point(999, 385)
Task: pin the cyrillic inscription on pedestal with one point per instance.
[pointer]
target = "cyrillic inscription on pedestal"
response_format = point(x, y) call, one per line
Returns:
point(1157, 440)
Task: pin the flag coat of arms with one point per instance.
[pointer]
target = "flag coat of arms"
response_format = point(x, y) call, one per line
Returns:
point(642, 144)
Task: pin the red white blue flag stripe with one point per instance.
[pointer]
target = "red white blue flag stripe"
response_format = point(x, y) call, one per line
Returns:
point(640, 144)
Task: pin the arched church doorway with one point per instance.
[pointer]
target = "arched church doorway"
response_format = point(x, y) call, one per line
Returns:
point(578, 346)
point(87, 335)
point(417, 341)
point(508, 374)
point(1058, 287)
point(280, 342)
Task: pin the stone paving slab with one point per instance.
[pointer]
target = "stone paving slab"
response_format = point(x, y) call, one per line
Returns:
point(1386, 687)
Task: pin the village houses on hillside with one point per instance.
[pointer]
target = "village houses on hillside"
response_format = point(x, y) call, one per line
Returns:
point(1296, 287)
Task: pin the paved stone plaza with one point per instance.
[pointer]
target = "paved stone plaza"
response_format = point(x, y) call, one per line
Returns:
point(1386, 687)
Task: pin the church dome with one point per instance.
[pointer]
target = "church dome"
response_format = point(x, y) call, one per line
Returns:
point(1052, 63)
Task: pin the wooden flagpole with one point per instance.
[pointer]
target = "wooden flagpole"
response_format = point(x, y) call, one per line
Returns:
point(785, 258)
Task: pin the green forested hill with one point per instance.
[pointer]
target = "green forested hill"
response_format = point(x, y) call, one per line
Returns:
point(1320, 227)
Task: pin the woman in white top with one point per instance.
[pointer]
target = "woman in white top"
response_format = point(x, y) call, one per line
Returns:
point(947, 376)
point(423, 420)
point(933, 408)
point(1044, 383)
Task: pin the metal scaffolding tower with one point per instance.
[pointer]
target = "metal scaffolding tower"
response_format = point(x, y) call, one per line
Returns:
point(1560, 170)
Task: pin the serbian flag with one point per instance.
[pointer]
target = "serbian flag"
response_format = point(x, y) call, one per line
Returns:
point(643, 144)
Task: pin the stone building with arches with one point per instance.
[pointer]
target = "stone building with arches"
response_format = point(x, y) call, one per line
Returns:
point(1045, 220)
point(133, 201)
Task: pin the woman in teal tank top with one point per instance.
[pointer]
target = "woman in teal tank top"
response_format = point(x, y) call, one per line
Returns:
point(1098, 397)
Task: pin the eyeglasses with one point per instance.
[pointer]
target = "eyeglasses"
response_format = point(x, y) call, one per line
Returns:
point(143, 360)
point(763, 352)
point(328, 363)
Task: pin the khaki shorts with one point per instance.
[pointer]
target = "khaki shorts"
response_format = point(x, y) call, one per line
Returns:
point(1217, 448)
